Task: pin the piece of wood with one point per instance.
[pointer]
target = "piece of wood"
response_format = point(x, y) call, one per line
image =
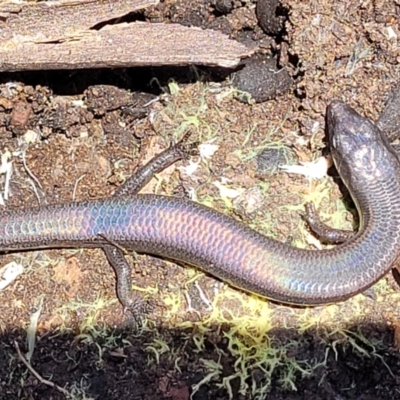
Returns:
point(54, 20)
point(63, 34)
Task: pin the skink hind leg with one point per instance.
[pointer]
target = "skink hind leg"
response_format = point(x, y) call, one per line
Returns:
point(134, 302)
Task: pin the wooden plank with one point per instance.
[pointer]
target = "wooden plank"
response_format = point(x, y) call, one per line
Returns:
point(61, 35)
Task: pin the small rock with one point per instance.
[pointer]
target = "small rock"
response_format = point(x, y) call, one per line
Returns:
point(270, 159)
point(224, 6)
point(20, 114)
point(261, 78)
point(268, 17)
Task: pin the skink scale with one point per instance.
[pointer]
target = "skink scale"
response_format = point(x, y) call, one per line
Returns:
point(182, 230)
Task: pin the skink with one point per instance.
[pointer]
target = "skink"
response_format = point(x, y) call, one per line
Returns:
point(182, 230)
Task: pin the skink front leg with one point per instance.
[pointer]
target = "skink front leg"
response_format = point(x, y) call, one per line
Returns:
point(143, 175)
point(323, 231)
point(335, 236)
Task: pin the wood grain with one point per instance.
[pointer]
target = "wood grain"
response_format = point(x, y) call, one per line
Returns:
point(73, 34)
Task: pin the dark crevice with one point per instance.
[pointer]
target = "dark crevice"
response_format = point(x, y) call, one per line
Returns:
point(128, 18)
point(153, 80)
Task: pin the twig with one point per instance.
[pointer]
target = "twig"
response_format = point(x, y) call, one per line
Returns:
point(32, 176)
point(76, 186)
point(37, 376)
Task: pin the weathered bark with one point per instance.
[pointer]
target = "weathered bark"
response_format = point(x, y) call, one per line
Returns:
point(63, 35)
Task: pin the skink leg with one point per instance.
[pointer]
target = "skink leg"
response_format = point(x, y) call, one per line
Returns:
point(325, 232)
point(143, 175)
point(131, 303)
point(331, 235)
point(135, 302)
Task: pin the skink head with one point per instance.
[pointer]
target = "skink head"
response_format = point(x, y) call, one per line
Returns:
point(359, 149)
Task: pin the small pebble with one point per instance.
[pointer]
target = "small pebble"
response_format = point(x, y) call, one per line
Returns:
point(271, 159)
point(224, 6)
point(268, 17)
point(261, 78)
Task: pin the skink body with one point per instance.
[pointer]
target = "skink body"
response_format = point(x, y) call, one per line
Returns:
point(183, 230)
